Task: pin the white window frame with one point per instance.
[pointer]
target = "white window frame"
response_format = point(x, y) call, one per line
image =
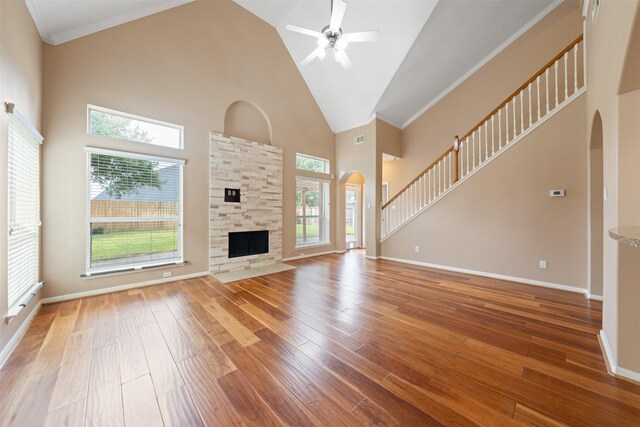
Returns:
point(327, 214)
point(28, 290)
point(326, 162)
point(134, 117)
point(89, 220)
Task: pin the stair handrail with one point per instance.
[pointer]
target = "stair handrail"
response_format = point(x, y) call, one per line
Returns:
point(454, 147)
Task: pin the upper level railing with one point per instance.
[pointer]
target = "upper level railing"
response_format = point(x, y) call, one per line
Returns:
point(549, 89)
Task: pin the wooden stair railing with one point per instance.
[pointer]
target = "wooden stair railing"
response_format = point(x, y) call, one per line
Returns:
point(545, 92)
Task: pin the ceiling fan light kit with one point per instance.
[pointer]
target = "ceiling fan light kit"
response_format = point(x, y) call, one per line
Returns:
point(332, 38)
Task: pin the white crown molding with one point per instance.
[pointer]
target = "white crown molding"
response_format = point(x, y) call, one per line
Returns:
point(484, 61)
point(74, 33)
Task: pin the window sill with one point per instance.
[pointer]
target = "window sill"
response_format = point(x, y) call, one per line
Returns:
point(122, 271)
point(312, 245)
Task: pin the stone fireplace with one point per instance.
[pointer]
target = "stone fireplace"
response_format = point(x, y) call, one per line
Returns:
point(251, 173)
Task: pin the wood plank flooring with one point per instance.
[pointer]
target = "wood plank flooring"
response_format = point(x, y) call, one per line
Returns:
point(339, 341)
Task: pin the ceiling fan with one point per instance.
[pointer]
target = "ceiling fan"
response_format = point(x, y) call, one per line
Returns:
point(332, 38)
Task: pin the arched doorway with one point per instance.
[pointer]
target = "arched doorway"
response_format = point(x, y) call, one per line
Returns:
point(596, 208)
point(354, 220)
point(352, 192)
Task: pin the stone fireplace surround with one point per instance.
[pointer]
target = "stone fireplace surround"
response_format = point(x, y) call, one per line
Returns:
point(256, 169)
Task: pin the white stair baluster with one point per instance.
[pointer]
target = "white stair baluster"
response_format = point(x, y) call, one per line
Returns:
point(500, 129)
point(556, 83)
point(529, 90)
point(515, 127)
point(575, 68)
point(522, 111)
point(493, 136)
point(566, 85)
point(473, 150)
point(506, 125)
point(548, 92)
point(486, 140)
point(538, 95)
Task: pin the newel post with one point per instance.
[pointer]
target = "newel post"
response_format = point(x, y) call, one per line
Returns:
point(456, 148)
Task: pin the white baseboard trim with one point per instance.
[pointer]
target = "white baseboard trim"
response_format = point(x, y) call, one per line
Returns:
point(594, 297)
point(372, 257)
point(491, 275)
point(76, 295)
point(293, 258)
point(17, 336)
point(612, 365)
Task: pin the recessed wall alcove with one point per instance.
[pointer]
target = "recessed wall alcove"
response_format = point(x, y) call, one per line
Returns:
point(246, 120)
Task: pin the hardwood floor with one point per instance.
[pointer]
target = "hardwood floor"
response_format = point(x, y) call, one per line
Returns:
point(339, 341)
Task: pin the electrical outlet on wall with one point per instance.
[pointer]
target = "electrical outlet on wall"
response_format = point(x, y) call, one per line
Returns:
point(167, 274)
point(417, 248)
point(543, 264)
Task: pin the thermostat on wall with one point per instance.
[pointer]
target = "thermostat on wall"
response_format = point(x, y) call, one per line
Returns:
point(556, 193)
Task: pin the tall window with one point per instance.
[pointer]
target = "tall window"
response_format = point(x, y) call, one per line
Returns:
point(116, 124)
point(135, 211)
point(23, 179)
point(312, 212)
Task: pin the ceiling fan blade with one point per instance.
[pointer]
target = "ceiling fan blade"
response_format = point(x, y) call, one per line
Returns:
point(365, 36)
point(337, 13)
point(343, 59)
point(317, 53)
point(304, 31)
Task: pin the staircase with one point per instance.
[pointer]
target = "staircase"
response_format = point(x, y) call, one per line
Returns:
point(554, 86)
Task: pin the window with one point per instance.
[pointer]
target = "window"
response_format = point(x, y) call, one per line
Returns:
point(312, 164)
point(135, 211)
point(133, 128)
point(312, 212)
point(23, 215)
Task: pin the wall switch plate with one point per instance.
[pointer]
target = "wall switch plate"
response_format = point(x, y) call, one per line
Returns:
point(543, 264)
point(167, 274)
point(417, 248)
point(556, 193)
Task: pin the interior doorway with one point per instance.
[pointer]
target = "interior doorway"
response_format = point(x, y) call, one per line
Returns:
point(596, 208)
point(354, 218)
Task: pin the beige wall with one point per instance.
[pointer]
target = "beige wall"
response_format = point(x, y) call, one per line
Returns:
point(185, 66)
point(432, 133)
point(502, 220)
point(629, 214)
point(20, 83)
point(608, 43)
point(361, 159)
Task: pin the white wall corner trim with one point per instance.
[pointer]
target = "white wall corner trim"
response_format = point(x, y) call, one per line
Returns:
point(76, 295)
point(17, 336)
point(612, 364)
point(485, 60)
point(491, 275)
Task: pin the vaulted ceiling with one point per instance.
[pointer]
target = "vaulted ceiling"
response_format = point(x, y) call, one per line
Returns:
point(426, 47)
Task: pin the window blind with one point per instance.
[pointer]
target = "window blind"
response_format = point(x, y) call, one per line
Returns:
point(135, 211)
point(23, 182)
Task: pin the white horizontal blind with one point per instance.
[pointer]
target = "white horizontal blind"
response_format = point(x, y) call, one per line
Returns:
point(135, 211)
point(23, 179)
